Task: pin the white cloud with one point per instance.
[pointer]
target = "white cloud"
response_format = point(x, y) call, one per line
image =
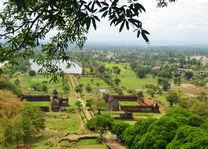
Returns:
point(185, 20)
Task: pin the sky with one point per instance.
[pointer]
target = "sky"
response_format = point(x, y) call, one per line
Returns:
point(183, 22)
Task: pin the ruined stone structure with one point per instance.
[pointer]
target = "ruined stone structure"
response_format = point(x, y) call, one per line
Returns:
point(144, 105)
point(126, 116)
point(112, 100)
point(37, 98)
point(34, 98)
point(143, 108)
point(58, 102)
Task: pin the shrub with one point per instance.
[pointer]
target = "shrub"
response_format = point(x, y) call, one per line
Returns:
point(32, 73)
point(9, 86)
point(44, 88)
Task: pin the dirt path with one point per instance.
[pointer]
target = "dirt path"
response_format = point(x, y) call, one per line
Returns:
point(82, 124)
point(74, 83)
point(113, 144)
point(75, 137)
point(86, 111)
point(71, 81)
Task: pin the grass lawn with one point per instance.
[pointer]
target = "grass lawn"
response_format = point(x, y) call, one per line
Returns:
point(83, 144)
point(72, 103)
point(161, 99)
point(128, 78)
point(88, 141)
point(136, 115)
point(95, 84)
point(27, 81)
point(147, 115)
point(63, 122)
point(40, 103)
point(130, 81)
point(128, 103)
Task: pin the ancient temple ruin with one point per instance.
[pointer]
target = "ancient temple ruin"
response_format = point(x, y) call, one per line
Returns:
point(144, 105)
point(58, 102)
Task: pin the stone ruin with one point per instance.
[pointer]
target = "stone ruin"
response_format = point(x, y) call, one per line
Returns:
point(37, 98)
point(33, 98)
point(58, 102)
point(144, 105)
point(125, 116)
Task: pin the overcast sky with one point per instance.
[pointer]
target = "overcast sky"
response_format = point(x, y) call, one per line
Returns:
point(185, 21)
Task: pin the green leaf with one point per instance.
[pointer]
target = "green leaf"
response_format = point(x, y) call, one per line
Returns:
point(146, 32)
point(127, 25)
point(122, 25)
point(98, 3)
point(88, 21)
point(96, 18)
point(145, 37)
point(104, 14)
point(139, 7)
point(104, 3)
point(103, 9)
point(138, 33)
point(94, 23)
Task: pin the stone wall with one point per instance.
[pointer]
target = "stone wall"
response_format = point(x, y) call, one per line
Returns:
point(150, 108)
point(34, 98)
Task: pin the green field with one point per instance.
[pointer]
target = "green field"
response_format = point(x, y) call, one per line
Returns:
point(83, 144)
point(58, 125)
point(128, 103)
point(40, 103)
point(63, 122)
point(27, 81)
point(128, 78)
point(95, 83)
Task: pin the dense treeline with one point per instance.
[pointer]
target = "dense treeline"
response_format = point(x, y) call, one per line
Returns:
point(179, 128)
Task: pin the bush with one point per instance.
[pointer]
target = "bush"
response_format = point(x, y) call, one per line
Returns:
point(36, 87)
point(88, 88)
point(44, 88)
point(39, 87)
point(140, 94)
point(17, 82)
point(32, 73)
point(195, 120)
point(173, 98)
point(9, 86)
point(118, 128)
